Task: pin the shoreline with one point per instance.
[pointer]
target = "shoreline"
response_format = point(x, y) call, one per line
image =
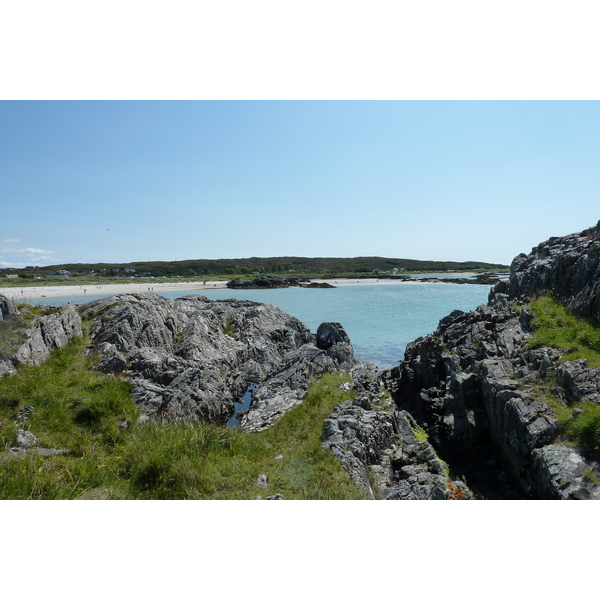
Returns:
point(57, 291)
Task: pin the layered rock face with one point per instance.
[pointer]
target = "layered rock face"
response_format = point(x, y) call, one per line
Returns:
point(191, 358)
point(568, 267)
point(7, 308)
point(473, 382)
point(382, 448)
point(46, 334)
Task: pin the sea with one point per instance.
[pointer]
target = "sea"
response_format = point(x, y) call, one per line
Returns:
point(380, 318)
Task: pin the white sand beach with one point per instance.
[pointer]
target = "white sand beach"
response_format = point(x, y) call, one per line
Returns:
point(56, 291)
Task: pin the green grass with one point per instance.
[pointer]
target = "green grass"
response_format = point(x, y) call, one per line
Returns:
point(82, 411)
point(555, 326)
point(11, 335)
point(577, 338)
point(204, 461)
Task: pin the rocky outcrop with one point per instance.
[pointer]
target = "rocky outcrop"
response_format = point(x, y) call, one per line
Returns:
point(7, 308)
point(191, 358)
point(567, 267)
point(383, 449)
point(480, 279)
point(269, 282)
point(474, 384)
point(266, 282)
point(46, 334)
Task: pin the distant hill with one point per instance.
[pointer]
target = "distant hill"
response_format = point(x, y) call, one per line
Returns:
point(248, 266)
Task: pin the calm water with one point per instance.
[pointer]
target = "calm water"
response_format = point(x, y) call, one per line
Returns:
point(380, 319)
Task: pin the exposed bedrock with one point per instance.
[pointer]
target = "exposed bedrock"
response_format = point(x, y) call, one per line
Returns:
point(381, 447)
point(191, 358)
point(46, 334)
point(473, 384)
point(267, 282)
point(568, 267)
point(7, 308)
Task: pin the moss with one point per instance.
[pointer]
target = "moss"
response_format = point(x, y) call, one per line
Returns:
point(420, 434)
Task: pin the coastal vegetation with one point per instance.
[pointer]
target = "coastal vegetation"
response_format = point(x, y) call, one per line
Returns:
point(104, 452)
point(243, 267)
point(577, 338)
point(555, 326)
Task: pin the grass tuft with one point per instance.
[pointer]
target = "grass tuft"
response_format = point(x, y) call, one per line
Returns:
point(82, 411)
point(577, 338)
point(555, 326)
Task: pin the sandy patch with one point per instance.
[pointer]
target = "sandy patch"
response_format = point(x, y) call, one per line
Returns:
point(57, 291)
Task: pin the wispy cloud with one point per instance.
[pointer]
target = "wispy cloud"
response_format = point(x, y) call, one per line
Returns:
point(18, 258)
point(12, 241)
point(30, 251)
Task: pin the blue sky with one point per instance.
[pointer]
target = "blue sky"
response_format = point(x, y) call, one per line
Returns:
point(102, 181)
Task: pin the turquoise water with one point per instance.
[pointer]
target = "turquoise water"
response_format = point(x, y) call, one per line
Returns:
point(380, 319)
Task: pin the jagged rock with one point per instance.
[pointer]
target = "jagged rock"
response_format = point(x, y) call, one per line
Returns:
point(7, 308)
point(287, 388)
point(267, 282)
point(191, 358)
point(579, 382)
point(563, 474)
point(568, 267)
point(48, 333)
point(332, 338)
point(381, 453)
point(470, 382)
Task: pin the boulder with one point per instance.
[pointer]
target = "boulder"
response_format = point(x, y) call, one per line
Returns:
point(26, 439)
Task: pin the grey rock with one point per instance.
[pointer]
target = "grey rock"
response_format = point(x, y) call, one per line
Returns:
point(262, 481)
point(567, 267)
point(7, 308)
point(562, 474)
point(48, 333)
point(267, 282)
point(580, 383)
point(276, 497)
point(382, 455)
point(7, 368)
point(26, 439)
point(191, 358)
point(24, 414)
point(470, 381)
